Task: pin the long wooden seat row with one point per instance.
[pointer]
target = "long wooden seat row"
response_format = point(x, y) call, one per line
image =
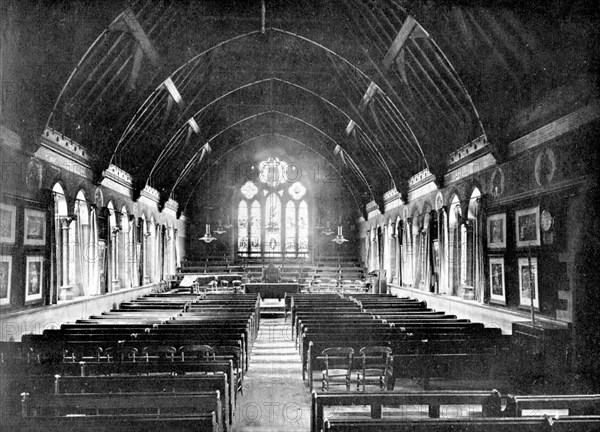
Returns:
point(48, 386)
point(489, 401)
point(409, 328)
point(205, 422)
point(159, 383)
point(501, 424)
point(583, 412)
point(37, 408)
point(441, 358)
point(127, 347)
point(579, 404)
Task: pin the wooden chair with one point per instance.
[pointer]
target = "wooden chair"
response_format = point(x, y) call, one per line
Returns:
point(197, 352)
point(270, 274)
point(375, 366)
point(338, 366)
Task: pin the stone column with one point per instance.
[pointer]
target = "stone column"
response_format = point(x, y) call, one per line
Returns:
point(146, 262)
point(116, 284)
point(66, 289)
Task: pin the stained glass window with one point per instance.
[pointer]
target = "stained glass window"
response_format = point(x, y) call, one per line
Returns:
point(290, 227)
point(272, 172)
point(249, 190)
point(297, 190)
point(255, 227)
point(273, 223)
point(303, 227)
point(243, 227)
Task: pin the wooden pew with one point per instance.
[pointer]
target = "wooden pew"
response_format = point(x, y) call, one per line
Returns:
point(146, 384)
point(205, 422)
point(468, 365)
point(513, 424)
point(489, 400)
point(312, 346)
point(91, 404)
point(577, 404)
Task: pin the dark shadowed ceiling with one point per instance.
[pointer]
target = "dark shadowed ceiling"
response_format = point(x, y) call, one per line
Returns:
point(383, 89)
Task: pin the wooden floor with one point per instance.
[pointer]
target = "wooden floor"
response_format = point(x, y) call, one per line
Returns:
point(275, 397)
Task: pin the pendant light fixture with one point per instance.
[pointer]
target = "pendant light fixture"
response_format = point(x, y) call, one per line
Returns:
point(339, 238)
point(207, 238)
point(220, 229)
point(328, 231)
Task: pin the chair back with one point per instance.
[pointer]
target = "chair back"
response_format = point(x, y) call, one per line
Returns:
point(338, 357)
point(375, 350)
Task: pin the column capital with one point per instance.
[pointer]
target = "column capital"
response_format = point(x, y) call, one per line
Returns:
point(66, 220)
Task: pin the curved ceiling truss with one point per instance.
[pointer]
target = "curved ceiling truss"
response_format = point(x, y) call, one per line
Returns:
point(348, 163)
point(183, 134)
point(381, 94)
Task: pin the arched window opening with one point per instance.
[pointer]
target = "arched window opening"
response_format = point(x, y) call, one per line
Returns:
point(255, 227)
point(302, 228)
point(62, 230)
point(475, 246)
point(124, 252)
point(454, 247)
point(291, 228)
point(79, 246)
point(243, 232)
point(273, 224)
point(273, 215)
point(114, 246)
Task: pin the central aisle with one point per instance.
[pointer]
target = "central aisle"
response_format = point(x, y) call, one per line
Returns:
point(275, 397)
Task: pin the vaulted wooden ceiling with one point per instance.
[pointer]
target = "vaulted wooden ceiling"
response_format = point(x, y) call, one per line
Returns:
point(384, 89)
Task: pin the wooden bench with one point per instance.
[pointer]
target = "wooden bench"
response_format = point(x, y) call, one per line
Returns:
point(205, 422)
point(92, 404)
point(514, 424)
point(150, 384)
point(489, 401)
point(471, 365)
point(577, 404)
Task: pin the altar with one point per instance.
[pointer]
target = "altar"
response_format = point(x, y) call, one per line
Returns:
point(272, 289)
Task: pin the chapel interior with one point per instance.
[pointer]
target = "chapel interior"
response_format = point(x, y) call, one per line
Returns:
point(309, 215)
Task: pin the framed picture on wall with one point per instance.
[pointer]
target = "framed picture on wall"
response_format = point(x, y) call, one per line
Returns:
point(528, 283)
point(496, 231)
point(34, 278)
point(8, 218)
point(35, 228)
point(497, 285)
point(528, 227)
point(5, 278)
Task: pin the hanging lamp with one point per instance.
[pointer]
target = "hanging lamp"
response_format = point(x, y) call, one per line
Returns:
point(327, 231)
point(339, 239)
point(207, 238)
point(220, 229)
